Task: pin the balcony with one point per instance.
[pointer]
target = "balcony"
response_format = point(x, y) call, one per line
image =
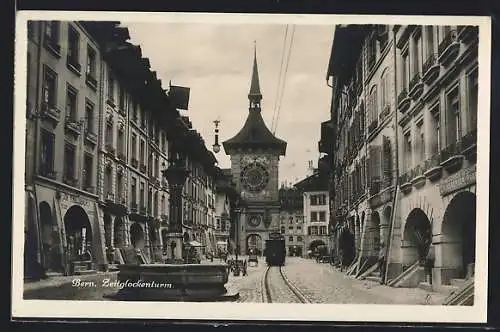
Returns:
point(70, 180)
point(110, 149)
point(52, 46)
point(90, 137)
point(385, 112)
point(405, 183)
point(373, 125)
point(142, 210)
point(73, 65)
point(416, 87)
point(111, 102)
point(91, 81)
point(121, 111)
point(133, 207)
point(90, 189)
point(403, 101)
point(134, 162)
point(451, 157)
point(448, 48)
point(142, 168)
point(468, 145)
point(433, 170)
point(72, 127)
point(122, 200)
point(51, 113)
point(417, 177)
point(430, 69)
point(467, 33)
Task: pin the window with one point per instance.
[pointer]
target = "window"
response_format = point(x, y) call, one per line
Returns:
point(314, 199)
point(385, 89)
point(416, 57)
point(122, 98)
point(108, 183)
point(299, 238)
point(91, 62)
point(88, 163)
point(52, 32)
point(405, 70)
point(290, 228)
point(453, 105)
point(134, 111)
point(71, 103)
point(155, 203)
point(314, 230)
point(407, 150)
point(290, 238)
point(420, 146)
point(121, 142)
point(322, 230)
point(282, 229)
point(321, 199)
point(472, 86)
point(142, 152)
point(49, 88)
point(150, 165)
point(314, 216)
point(430, 41)
point(109, 134)
point(373, 112)
point(372, 52)
point(89, 116)
point(47, 153)
point(141, 195)
point(383, 31)
point(134, 146)
point(134, 191)
point(111, 85)
point(436, 123)
point(69, 162)
point(143, 118)
point(73, 46)
point(322, 216)
point(119, 186)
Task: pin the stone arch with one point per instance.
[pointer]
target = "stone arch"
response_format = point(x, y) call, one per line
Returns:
point(108, 225)
point(347, 245)
point(314, 244)
point(254, 241)
point(417, 237)
point(137, 237)
point(373, 233)
point(459, 231)
point(79, 235)
point(119, 233)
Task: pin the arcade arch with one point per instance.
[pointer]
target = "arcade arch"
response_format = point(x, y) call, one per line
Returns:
point(417, 237)
point(79, 237)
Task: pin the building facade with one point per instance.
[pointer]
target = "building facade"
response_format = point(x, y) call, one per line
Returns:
point(400, 146)
point(255, 154)
point(100, 131)
point(292, 220)
point(316, 212)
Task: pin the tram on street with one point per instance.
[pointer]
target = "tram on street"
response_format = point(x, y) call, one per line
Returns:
point(275, 250)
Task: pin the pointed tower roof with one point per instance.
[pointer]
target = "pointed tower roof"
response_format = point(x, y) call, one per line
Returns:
point(255, 134)
point(255, 84)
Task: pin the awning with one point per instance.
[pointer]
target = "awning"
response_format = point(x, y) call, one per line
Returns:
point(195, 244)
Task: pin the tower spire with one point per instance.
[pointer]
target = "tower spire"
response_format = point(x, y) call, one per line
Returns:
point(255, 95)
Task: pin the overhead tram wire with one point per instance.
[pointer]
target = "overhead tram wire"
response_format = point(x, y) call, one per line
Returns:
point(279, 76)
point(284, 79)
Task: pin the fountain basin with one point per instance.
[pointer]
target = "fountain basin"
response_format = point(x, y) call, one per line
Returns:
point(174, 282)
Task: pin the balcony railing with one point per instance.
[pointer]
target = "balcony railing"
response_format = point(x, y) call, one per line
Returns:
point(110, 197)
point(385, 111)
point(121, 111)
point(52, 46)
point(122, 157)
point(448, 48)
point(431, 61)
point(133, 206)
point(73, 127)
point(402, 96)
point(375, 186)
point(450, 37)
point(91, 137)
point(90, 189)
point(70, 180)
point(110, 101)
point(48, 173)
point(467, 33)
point(73, 65)
point(414, 81)
point(142, 168)
point(469, 140)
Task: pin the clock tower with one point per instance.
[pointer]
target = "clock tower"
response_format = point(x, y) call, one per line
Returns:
point(255, 153)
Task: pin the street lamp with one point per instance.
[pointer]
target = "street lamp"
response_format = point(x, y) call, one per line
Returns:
point(216, 146)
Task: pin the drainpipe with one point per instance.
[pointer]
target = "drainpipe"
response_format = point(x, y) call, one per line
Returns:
point(396, 153)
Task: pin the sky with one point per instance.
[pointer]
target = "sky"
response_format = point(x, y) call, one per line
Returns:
point(215, 62)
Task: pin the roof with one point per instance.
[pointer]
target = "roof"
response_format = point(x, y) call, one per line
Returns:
point(255, 133)
point(315, 182)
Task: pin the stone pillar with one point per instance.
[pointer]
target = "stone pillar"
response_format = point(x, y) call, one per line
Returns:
point(112, 230)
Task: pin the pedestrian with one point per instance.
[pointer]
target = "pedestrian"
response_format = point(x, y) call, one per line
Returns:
point(429, 264)
point(381, 262)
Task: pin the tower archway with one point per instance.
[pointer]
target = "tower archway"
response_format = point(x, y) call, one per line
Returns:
point(137, 238)
point(79, 236)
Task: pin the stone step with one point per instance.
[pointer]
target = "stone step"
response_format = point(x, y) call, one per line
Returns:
point(84, 272)
point(425, 286)
point(457, 282)
point(373, 278)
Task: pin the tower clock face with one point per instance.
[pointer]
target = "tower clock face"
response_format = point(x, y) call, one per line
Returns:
point(254, 221)
point(254, 177)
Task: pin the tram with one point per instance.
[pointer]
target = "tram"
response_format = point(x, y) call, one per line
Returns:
point(275, 250)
